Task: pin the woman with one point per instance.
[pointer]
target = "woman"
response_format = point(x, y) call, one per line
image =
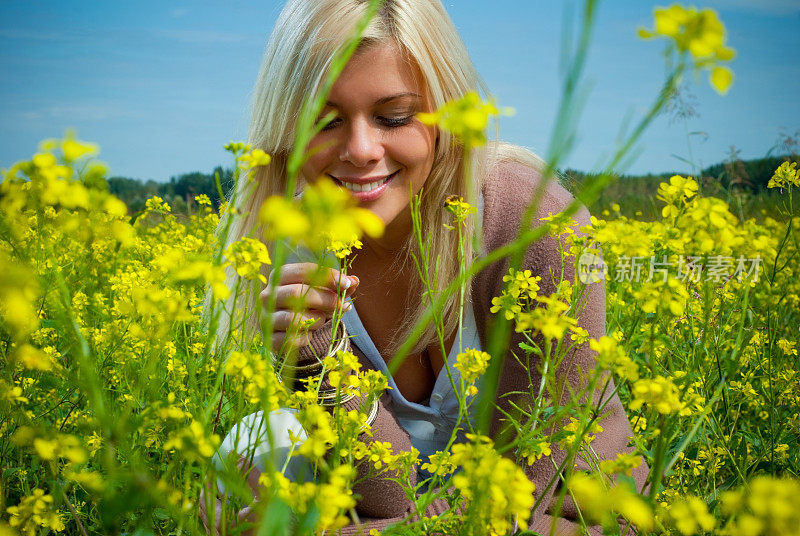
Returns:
point(410, 60)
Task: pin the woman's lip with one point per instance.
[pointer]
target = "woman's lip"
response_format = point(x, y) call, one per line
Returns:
point(361, 180)
point(372, 194)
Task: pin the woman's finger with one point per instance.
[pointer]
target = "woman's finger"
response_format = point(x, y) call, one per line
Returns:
point(283, 342)
point(300, 297)
point(315, 276)
point(284, 320)
point(206, 492)
point(253, 475)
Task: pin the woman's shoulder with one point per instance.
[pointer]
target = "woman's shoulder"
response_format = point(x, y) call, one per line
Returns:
point(511, 186)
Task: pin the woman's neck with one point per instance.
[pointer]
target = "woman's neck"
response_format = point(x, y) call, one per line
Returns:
point(394, 239)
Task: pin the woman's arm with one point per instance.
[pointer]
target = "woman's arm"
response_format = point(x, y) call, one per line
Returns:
point(502, 216)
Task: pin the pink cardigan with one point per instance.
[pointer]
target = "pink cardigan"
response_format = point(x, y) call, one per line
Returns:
point(507, 192)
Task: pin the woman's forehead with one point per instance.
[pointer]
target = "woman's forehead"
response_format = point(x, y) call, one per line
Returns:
point(380, 73)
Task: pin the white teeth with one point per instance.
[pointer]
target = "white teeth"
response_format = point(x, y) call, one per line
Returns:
point(368, 187)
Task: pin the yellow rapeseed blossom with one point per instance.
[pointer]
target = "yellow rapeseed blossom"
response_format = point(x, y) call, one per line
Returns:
point(325, 217)
point(785, 176)
point(611, 355)
point(71, 148)
point(495, 488)
point(34, 512)
point(769, 506)
point(599, 504)
point(247, 256)
point(573, 435)
point(335, 498)
point(193, 442)
point(549, 318)
point(472, 364)
point(459, 208)
point(439, 463)
point(659, 393)
point(690, 516)
point(157, 204)
point(19, 291)
point(788, 347)
point(283, 219)
point(699, 33)
point(622, 464)
point(466, 118)
point(254, 158)
point(535, 449)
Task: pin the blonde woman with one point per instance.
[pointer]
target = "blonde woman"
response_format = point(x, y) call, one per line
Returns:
point(410, 60)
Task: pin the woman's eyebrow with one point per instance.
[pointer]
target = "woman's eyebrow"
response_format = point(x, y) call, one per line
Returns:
point(384, 100)
point(397, 96)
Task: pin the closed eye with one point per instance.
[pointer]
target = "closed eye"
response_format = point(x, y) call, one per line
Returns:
point(391, 122)
point(395, 121)
point(333, 123)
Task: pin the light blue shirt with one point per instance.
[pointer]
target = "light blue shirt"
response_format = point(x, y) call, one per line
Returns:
point(430, 423)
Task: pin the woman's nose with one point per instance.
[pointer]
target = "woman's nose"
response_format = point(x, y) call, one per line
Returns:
point(362, 146)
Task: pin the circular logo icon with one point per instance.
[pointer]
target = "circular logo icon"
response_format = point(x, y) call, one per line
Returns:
point(591, 268)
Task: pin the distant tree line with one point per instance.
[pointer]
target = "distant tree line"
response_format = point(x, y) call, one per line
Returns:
point(733, 172)
point(179, 191)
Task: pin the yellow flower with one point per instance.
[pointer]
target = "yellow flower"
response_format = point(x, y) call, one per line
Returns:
point(472, 364)
point(785, 175)
point(495, 488)
point(535, 450)
point(35, 359)
point(247, 256)
point(459, 208)
point(690, 516)
point(698, 33)
point(599, 504)
point(341, 249)
point(624, 464)
point(71, 148)
point(658, 393)
point(466, 118)
point(439, 463)
point(156, 204)
point(255, 158)
point(283, 219)
point(192, 442)
point(573, 427)
point(34, 511)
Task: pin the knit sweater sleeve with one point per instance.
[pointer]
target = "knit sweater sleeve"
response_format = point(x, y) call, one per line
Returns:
point(503, 212)
point(382, 501)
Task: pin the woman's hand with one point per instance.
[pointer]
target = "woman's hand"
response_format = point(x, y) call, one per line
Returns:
point(245, 515)
point(305, 293)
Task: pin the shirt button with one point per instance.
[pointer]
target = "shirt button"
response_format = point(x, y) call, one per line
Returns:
point(436, 397)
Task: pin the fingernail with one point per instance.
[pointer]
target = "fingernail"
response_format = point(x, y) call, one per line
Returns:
point(348, 305)
point(346, 283)
point(355, 280)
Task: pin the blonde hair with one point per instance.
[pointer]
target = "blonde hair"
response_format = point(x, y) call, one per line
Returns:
point(295, 65)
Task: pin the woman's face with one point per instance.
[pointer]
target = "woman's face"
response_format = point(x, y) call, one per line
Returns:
point(375, 147)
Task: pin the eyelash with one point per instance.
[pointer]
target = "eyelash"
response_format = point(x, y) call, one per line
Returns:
point(391, 122)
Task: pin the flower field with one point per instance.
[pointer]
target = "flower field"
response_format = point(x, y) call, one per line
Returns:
point(118, 383)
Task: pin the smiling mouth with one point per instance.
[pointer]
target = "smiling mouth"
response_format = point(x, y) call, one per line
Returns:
point(364, 187)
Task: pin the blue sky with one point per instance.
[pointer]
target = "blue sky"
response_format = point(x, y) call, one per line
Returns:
point(162, 86)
